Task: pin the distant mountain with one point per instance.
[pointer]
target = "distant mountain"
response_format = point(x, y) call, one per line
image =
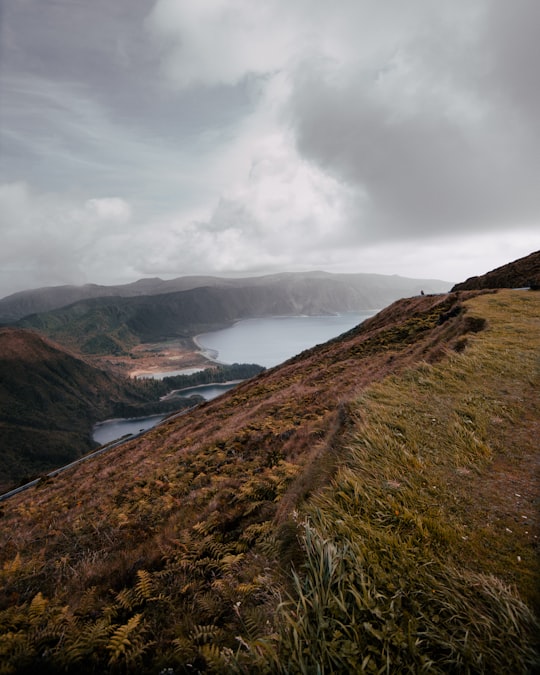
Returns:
point(113, 325)
point(521, 273)
point(49, 400)
point(378, 290)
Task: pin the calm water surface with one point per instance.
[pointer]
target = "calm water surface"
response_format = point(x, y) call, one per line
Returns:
point(112, 430)
point(271, 341)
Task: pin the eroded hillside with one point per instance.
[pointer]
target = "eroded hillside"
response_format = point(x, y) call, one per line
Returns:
point(394, 467)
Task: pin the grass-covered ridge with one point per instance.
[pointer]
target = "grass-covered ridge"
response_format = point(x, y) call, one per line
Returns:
point(385, 466)
point(414, 563)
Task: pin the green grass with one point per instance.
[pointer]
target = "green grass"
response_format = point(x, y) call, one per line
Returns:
point(397, 577)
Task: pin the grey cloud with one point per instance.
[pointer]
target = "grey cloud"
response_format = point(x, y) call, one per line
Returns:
point(446, 152)
point(511, 36)
point(83, 103)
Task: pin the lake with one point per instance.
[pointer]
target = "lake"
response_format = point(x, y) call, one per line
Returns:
point(267, 342)
point(271, 341)
point(112, 430)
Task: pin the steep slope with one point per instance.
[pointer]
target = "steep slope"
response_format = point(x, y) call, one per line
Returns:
point(391, 466)
point(522, 273)
point(49, 400)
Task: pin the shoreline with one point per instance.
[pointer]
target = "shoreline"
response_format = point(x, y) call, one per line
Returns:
point(210, 354)
point(197, 355)
point(200, 386)
point(199, 359)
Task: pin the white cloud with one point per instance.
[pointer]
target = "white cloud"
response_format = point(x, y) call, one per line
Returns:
point(221, 41)
point(112, 209)
point(58, 239)
point(393, 103)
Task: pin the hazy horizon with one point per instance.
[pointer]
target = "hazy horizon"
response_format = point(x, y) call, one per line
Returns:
point(228, 275)
point(157, 138)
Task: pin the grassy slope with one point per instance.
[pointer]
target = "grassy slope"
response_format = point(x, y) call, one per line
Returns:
point(183, 554)
point(521, 273)
point(432, 519)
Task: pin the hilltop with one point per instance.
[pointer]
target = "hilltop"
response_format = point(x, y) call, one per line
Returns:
point(393, 468)
point(522, 273)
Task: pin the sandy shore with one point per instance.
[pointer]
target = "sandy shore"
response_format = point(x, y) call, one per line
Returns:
point(160, 357)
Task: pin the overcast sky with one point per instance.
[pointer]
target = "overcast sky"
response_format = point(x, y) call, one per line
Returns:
point(143, 138)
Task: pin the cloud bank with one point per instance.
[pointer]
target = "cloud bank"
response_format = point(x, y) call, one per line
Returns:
point(224, 136)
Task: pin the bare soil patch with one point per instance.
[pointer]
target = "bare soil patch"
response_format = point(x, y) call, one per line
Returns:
point(150, 358)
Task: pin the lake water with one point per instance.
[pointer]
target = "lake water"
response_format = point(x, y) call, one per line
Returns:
point(267, 342)
point(271, 341)
point(208, 391)
point(112, 430)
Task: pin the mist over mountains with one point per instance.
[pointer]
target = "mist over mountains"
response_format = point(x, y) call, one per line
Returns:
point(327, 292)
point(112, 319)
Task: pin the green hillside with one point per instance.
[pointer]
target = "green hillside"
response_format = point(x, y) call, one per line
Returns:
point(370, 506)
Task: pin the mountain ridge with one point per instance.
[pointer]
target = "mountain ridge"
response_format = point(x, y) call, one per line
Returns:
point(521, 273)
point(115, 325)
point(17, 305)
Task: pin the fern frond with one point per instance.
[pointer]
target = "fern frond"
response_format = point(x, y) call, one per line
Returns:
point(144, 588)
point(213, 548)
point(37, 608)
point(247, 588)
point(126, 599)
point(90, 639)
point(251, 507)
point(203, 634)
point(216, 660)
point(121, 641)
point(87, 601)
point(204, 527)
point(230, 562)
point(11, 618)
point(184, 648)
point(13, 566)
